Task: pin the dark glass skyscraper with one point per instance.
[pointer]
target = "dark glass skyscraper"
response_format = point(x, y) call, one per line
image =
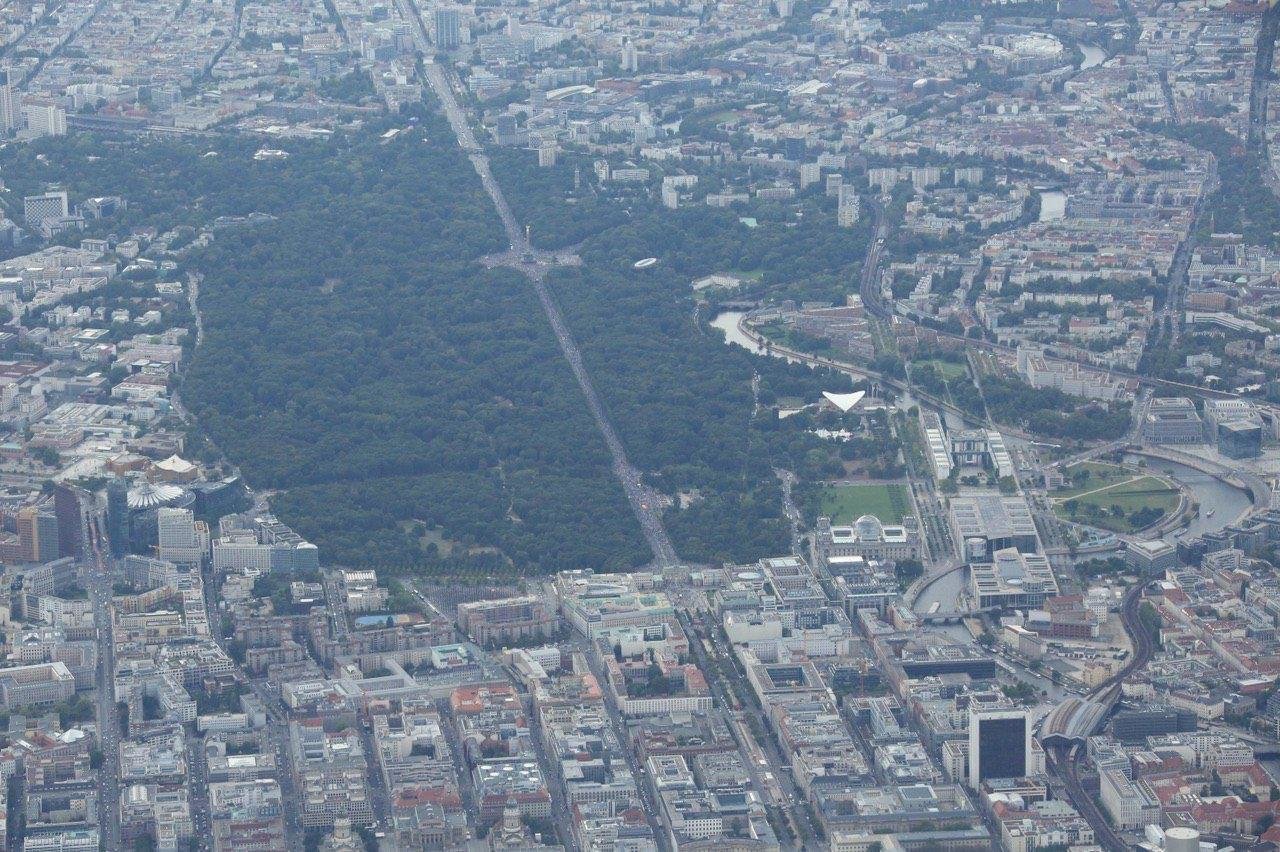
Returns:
point(118, 517)
point(68, 508)
point(999, 744)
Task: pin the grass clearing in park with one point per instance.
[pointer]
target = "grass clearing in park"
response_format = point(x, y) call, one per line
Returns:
point(1090, 476)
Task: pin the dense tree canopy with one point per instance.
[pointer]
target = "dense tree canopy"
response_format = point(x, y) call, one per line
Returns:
point(681, 399)
point(545, 200)
point(1243, 203)
point(413, 407)
point(358, 357)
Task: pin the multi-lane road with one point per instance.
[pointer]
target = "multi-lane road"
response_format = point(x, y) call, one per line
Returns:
point(619, 725)
point(1264, 61)
point(108, 719)
point(1169, 320)
point(781, 782)
point(277, 732)
point(869, 281)
point(522, 257)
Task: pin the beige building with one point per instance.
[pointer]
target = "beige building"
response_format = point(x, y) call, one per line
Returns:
point(507, 620)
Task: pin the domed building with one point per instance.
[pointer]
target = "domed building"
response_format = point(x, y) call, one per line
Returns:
point(868, 529)
point(868, 538)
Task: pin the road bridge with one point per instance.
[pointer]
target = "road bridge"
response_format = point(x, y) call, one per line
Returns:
point(955, 616)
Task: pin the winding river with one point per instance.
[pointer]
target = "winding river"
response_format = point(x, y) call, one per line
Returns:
point(1226, 501)
point(1093, 55)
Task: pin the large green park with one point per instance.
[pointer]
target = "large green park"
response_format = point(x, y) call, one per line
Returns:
point(410, 408)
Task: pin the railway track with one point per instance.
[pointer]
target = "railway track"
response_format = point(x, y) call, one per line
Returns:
point(1063, 761)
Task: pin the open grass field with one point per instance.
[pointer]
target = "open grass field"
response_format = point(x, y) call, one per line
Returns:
point(1090, 476)
point(1114, 498)
point(946, 369)
point(844, 504)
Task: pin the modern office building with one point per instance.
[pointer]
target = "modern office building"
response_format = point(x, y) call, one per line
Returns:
point(1240, 439)
point(45, 119)
point(243, 552)
point(927, 811)
point(1234, 426)
point(948, 659)
point(68, 508)
point(1136, 724)
point(179, 537)
point(983, 448)
point(10, 116)
point(117, 518)
point(47, 207)
point(935, 435)
point(629, 57)
point(1012, 579)
point(986, 523)
point(999, 743)
point(848, 206)
point(38, 536)
point(1172, 420)
point(264, 545)
point(448, 21)
point(1150, 557)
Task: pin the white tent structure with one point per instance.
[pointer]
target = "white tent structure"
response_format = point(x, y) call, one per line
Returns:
point(844, 401)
